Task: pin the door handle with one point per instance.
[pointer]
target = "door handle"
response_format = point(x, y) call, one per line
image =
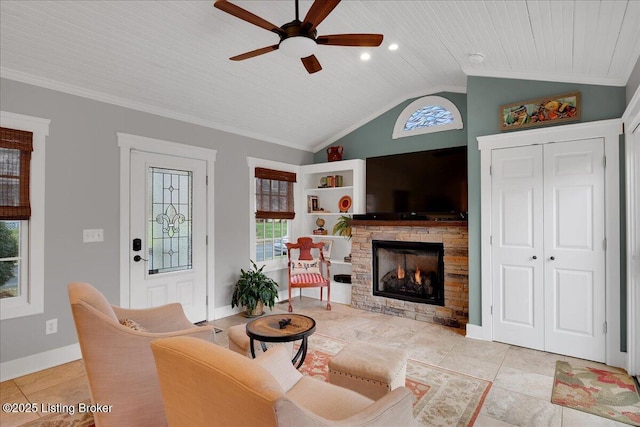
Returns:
point(552, 258)
point(534, 257)
point(138, 258)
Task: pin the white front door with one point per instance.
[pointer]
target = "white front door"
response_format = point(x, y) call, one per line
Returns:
point(548, 254)
point(168, 208)
point(574, 248)
point(518, 296)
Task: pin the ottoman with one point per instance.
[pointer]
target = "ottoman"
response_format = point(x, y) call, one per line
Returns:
point(369, 369)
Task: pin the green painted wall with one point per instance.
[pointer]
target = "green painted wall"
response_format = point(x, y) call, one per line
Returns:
point(374, 138)
point(484, 96)
point(479, 109)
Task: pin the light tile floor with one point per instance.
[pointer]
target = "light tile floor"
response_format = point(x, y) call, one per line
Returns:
point(522, 378)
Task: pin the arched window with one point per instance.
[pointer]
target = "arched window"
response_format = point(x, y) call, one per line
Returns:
point(426, 115)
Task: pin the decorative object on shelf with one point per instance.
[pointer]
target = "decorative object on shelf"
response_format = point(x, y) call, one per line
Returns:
point(343, 227)
point(331, 181)
point(344, 204)
point(335, 153)
point(320, 230)
point(342, 278)
point(313, 204)
point(540, 111)
point(254, 290)
point(326, 249)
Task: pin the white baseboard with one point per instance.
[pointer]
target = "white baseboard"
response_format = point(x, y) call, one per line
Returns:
point(476, 332)
point(37, 362)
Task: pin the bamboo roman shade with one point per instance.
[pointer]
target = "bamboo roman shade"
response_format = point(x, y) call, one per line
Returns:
point(274, 194)
point(15, 157)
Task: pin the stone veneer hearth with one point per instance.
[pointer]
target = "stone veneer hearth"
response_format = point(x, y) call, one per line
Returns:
point(455, 238)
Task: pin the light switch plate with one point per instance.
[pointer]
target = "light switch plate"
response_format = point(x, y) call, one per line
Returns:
point(93, 235)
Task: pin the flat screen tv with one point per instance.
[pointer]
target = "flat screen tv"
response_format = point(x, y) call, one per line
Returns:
point(419, 184)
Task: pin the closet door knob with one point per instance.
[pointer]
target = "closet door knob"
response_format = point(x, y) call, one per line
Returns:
point(552, 258)
point(534, 257)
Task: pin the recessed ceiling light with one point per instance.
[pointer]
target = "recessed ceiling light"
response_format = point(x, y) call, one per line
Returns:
point(393, 46)
point(365, 56)
point(476, 58)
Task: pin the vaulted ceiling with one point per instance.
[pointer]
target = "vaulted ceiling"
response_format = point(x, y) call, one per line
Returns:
point(171, 57)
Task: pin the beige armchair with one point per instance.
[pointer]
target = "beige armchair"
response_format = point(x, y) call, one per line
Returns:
point(118, 359)
point(204, 384)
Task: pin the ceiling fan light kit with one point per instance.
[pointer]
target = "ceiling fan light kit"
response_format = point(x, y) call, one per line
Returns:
point(299, 39)
point(298, 47)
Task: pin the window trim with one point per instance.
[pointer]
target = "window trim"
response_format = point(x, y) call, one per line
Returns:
point(420, 103)
point(34, 288)
point(253, 163)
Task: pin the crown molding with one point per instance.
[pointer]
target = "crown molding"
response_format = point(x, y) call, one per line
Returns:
point(46, 83)
point(554, 77)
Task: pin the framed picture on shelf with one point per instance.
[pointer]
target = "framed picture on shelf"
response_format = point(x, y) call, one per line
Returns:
point(326, 249)
point(313, 204)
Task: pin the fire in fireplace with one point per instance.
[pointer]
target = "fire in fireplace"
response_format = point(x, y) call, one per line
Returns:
point(410, 271)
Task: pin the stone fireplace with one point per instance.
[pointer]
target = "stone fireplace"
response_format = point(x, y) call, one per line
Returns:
point(415, 298)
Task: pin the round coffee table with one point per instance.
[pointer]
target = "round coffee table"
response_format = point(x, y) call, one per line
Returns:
point(281, 328)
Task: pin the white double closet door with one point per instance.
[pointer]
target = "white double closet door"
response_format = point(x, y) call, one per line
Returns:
point(548, 247)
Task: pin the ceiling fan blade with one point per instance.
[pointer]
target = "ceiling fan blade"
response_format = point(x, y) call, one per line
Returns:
point(312, 64)
point(245, 15)
point(350, 40)
point(317, 12)
point(253, 53)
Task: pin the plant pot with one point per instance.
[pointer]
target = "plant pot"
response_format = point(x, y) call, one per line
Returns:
point(257, 311)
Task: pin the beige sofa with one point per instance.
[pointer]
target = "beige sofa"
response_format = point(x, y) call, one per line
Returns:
point(204, 385)
point(118, 360)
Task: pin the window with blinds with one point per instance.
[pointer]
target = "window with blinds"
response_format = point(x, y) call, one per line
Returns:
point(274, 194)
point(15, 157)
point(274, 209)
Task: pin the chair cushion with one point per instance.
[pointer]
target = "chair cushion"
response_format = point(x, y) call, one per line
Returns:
point(307, 278)
point(303, 266)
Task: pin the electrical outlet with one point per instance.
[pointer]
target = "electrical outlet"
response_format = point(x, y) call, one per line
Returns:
point(51, 326)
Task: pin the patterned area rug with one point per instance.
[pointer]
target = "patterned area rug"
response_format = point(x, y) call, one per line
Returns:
point(601, 392)
point(442, 397)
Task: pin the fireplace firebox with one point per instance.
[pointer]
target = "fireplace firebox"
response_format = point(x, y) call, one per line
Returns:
point(409, 271)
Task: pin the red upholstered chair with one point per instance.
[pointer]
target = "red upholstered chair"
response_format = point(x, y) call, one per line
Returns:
point(306, 270)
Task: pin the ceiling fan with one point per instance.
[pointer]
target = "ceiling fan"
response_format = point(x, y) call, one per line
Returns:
point(300, 39)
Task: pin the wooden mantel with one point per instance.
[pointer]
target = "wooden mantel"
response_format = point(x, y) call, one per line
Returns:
point(406, 223)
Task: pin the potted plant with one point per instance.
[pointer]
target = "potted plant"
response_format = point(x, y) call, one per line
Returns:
point(254, 290)
point(343, 227)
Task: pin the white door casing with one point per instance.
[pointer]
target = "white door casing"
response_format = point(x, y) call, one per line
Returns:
point(128, 143)
point(168, 215)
